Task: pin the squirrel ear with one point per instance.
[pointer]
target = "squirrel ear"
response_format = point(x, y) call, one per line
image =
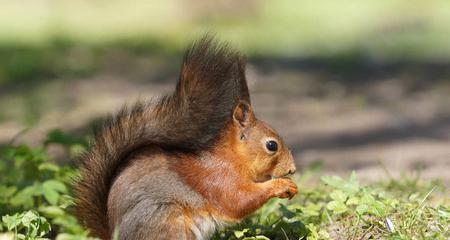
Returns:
point(243, 114)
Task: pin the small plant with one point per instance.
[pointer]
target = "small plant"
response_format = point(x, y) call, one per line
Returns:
point(27, 225)
point(35, 192)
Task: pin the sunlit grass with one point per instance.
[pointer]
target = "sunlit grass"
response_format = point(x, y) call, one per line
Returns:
point(378, 29)
point(404, 208)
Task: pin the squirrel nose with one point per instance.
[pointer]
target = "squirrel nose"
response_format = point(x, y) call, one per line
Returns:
point(292, 168)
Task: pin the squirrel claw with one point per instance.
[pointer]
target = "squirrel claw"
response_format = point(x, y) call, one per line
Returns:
point(284, 188)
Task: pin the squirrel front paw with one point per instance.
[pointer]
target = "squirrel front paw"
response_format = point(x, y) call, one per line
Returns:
point(283, 188)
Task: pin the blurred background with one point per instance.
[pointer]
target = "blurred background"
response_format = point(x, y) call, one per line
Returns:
point(351, 85)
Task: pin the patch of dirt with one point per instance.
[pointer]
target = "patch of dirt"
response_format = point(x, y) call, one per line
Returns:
point(394, 118)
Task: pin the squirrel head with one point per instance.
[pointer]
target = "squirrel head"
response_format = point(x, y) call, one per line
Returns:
point(213, 86)
point(260, 148)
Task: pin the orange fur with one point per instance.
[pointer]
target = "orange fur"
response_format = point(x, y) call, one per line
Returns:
point(226, 179)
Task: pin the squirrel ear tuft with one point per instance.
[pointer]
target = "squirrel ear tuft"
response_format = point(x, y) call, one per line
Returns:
point(243, 114)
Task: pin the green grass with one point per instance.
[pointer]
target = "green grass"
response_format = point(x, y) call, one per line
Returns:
point(377, 29)
point(335, 208)
point(35, 192)
point(35, 203)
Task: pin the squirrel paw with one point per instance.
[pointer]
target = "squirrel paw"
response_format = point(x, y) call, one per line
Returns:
point(284, 188)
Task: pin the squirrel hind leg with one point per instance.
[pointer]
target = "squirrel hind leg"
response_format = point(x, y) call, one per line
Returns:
point(149, 201)
point(156, 221)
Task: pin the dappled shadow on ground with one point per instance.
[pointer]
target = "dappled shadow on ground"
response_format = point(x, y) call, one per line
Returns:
point(437, 129)
point(349, 113)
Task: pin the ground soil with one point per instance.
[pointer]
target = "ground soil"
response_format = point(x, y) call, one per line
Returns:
point(381, 120)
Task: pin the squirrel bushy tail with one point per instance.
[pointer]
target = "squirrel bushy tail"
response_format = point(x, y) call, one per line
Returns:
point(211, 82)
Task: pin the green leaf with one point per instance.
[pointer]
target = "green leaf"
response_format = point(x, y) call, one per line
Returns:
point(311, 209)
point(350, 187)
point(352, 201)
point(7, 192)
point(337, 207)
point(29, 217)
point(48, 167)
point(27, 225)
point(25, 196)
point(55, 185)
point(378, 209)
point(339, 196)
point(51, 211)
point(290, 227)
point(51, 190)
point(333, 181)
point(44, 226)
point(51, 196)
point(367, 199)
point(259, 237)
point(11, 222)
point(65, 201)
point(362, 208)
point(287, 213)
point(240, 234)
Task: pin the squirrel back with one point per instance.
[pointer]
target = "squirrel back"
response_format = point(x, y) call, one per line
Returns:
point(211, 82)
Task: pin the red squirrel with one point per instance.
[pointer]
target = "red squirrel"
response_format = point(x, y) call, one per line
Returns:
point(182, 166)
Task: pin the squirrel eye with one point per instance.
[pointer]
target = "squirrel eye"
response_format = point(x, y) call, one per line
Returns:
point(272, 146)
